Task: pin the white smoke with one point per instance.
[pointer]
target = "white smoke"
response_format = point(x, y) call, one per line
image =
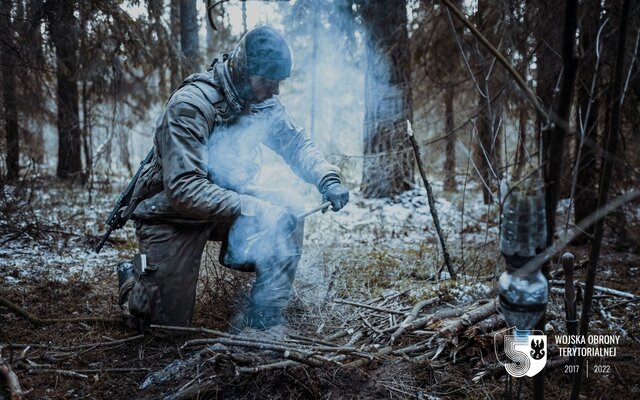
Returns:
point(326, 87)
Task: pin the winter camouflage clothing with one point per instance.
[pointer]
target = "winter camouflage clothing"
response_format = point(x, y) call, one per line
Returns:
point(199, 183)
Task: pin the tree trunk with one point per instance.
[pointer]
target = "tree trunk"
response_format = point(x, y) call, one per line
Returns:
point(34, 89)
point(450, 146)
point(189, 37)
point(487, 154)
point(553, 153)
point(174, 42)
point(64, 33)
point(389, 162)
point(521, 156)
point(34, 32)
point(547, 59)
point(585, 199)
point(9, 90)
point(605, 181)
point(158, 39)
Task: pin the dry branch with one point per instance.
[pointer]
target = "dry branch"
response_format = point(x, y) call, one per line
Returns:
point(428, 320)
point(370, 307)
point(487, 325)
point(506, 64)
point(62, 372)
point(412, 315)
point(192, 330)
point(468, 319)
point(602, 289)
point(414, 348)
point(364, 361)
point(432, 203)
point(268, 367)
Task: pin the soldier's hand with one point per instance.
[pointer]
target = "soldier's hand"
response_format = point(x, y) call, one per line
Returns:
point(337, 194)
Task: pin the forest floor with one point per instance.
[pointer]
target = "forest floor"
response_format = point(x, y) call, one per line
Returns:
point(363, 271)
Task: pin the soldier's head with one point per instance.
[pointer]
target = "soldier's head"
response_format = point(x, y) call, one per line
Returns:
point(260, 61)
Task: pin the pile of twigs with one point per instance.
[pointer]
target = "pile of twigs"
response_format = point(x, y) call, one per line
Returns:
point(377, 330)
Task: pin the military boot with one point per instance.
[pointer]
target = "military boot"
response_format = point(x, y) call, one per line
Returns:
point(263, 317)
point(126, 280)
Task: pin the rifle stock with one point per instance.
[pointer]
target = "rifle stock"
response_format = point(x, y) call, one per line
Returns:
point(116, 220)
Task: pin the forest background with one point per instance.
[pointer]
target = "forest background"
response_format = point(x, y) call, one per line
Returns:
point(552, 93)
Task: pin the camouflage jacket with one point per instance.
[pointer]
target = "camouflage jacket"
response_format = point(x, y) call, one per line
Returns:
point(177, 183)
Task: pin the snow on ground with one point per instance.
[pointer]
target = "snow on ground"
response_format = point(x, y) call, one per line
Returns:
point(397, 234)
point(406, 219)
point(396, 239)
point(54, 238)
point(371, 247)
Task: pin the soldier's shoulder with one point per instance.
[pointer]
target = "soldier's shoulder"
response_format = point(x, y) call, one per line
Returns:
point(199, 89)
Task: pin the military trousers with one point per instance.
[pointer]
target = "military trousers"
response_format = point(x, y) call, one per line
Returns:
point(164, 290)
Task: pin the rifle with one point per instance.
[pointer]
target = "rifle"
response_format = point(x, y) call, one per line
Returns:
point(116, 220)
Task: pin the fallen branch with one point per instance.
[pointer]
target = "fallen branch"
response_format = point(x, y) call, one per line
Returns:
point(278, 346)
point(63, 372)
point(487, 325)
point(414, 348)
point(370, 307)
point(193, 391)
point(310, 340)
point(364, 361)
point(412, 315)
point(469, 318)
point(268, 367)
point(613, 292)
point(190, 329)
point(422, 322)
point(307, 359)
point(608, 320)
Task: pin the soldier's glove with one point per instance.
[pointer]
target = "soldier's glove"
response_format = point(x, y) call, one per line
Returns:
point(332, 190)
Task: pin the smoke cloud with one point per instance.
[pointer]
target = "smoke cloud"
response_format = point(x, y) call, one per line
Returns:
point(325, 96)
point(261, 242)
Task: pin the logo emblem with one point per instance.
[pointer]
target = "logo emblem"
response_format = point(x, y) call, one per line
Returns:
point(526, 352)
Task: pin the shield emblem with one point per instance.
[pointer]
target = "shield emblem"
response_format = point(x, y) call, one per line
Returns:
point(527, 352)
point(538, 352)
